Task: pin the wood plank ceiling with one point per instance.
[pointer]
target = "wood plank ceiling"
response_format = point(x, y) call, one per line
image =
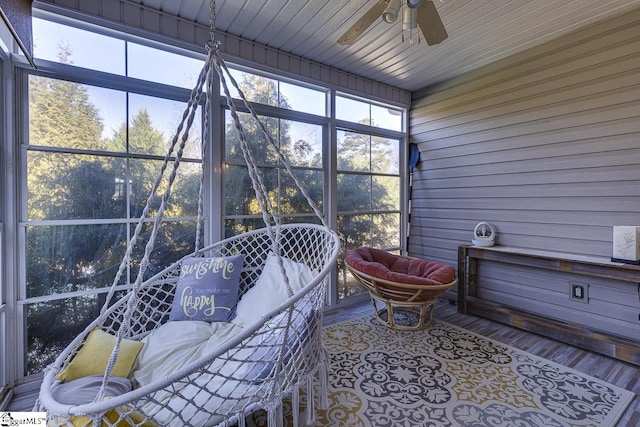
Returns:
point(480, 32)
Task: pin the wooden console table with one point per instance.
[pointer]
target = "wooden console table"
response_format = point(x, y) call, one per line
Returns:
point(621, 348)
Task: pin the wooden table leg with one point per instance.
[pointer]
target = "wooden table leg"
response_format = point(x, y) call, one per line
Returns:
point(462, 280)
point(472, 277)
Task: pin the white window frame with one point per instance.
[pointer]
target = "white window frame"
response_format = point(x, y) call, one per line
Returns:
point(372, 131)
point(14, 365)
point(81, 76)
point(4, 353)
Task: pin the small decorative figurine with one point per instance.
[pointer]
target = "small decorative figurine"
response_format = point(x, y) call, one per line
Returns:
point(484, 235)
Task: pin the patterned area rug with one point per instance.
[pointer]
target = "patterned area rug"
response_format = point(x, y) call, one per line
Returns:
point(447, 376)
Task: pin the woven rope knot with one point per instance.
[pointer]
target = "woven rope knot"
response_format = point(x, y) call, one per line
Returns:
point(213, 46)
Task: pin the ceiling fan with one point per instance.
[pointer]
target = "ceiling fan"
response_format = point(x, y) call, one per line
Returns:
point(416, 14)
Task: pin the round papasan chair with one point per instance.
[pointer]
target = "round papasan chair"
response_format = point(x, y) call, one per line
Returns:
point(401, 283)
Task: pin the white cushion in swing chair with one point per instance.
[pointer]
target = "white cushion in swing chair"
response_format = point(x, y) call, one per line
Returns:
point(239, 379)
point(269, 290)
point(176, 344)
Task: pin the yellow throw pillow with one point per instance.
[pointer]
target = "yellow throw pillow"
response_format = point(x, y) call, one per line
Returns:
point(114, 420)
point(93, 357)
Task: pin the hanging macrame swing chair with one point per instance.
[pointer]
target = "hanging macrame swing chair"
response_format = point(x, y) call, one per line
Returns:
point(135, 366)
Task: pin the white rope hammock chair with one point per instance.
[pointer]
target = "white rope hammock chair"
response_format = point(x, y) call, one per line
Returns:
point(276, 355)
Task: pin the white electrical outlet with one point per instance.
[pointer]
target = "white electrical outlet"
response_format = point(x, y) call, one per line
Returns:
point(579, 292)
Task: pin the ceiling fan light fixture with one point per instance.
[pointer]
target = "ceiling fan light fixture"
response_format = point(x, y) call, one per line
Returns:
point(414, 3)
point(390, 14)
point(409, 19)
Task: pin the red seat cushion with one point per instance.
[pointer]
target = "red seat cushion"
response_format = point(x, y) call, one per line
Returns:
point(394, 268)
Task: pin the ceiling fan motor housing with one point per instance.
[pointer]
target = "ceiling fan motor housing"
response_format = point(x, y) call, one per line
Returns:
point(417, 14)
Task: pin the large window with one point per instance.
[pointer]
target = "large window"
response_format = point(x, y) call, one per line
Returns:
point(301, 145)
point(368, 113)
point(269, 90)
point(87, 49)
point(300, 142)
point(100, 112)
point(91, 158)
point(3, 299)
point(368, 181)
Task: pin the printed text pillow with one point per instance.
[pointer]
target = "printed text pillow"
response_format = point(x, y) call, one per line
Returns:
point(207, 289)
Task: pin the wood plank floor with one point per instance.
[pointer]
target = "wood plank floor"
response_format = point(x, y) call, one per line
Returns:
point(615, 372)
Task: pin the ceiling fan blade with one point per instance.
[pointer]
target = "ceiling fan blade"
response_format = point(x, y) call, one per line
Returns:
point(430, 23)
point(363, 23)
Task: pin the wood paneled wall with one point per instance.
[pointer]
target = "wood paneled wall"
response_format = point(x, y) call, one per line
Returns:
point(545, 145)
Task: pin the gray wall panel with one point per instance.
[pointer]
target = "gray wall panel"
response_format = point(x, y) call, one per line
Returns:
point(612, 305)
point(545, 145)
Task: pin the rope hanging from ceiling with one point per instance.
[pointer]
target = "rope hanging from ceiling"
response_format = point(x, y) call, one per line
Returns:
point(233, 368)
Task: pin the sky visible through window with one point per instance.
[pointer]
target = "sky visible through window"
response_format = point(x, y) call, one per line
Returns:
point(95, 51)
point(103, 53)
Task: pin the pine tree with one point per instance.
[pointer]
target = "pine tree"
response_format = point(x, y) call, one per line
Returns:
point(85, 184)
